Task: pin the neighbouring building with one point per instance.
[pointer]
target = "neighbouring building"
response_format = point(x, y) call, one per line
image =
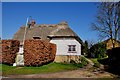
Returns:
point(109, 44)
point(67, 41)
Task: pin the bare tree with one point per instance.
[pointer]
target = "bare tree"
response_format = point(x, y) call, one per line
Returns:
point(91, 42)
point(118, 11)
point(85, 48)
point(107, 20)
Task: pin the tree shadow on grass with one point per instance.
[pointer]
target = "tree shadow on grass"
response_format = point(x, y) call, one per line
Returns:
point(104, 61)
point(111, 67)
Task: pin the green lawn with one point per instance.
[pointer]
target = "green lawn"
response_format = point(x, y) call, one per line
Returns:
point(95, 61)
point(52, 67)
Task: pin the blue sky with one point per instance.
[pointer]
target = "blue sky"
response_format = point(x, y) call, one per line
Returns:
point(0, 19)
point(79, 16)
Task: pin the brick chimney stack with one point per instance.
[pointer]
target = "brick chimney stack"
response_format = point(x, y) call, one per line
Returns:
point(33, 23)
point(63, 25)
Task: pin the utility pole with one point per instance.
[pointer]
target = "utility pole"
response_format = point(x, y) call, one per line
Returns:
point(20, 56)
point(25, 31)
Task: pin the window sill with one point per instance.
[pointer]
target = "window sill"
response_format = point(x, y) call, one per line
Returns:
point(72, 52)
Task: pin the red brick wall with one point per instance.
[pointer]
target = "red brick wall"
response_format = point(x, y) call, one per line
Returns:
point(9, 50)
point(38, 52)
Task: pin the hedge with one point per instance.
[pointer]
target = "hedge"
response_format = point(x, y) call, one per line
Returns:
point(38, 52)
point(9, 50)
point(114, 55)
point(114, 60)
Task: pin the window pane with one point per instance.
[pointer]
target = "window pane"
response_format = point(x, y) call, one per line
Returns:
point(71, 48)
point(74, 49)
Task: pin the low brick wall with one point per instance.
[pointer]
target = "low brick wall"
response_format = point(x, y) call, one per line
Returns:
point(38, 52)
point(67, 58)
point(9, 50)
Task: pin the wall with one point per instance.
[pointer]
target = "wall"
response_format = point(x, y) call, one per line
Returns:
point(62, 54)
point(109, 44)
point(67, 58)
point(62, 46)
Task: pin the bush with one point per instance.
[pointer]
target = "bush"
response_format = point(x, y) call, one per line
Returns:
point(38, 52)
point(114, 58)
point(9, 50)
point(84, 62)
point(114, 54)
point(97, 65)
point(98, 50)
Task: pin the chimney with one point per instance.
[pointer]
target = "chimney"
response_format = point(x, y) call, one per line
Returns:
point(33, 23)
point(63, 25)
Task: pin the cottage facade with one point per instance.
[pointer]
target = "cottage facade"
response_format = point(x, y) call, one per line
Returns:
point(67, 47)
point(67, 41)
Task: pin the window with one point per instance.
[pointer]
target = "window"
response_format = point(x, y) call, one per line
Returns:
point(35, 37)
point(72, 48)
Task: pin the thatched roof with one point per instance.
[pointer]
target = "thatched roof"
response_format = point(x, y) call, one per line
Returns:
point(45, 32)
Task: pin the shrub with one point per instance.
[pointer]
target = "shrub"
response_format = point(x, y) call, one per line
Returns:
point(114, 58)
point(98, 50)
point(97, 65)
point(85, 49)
point(84, 62)
point(9, 50)
point(38, 52)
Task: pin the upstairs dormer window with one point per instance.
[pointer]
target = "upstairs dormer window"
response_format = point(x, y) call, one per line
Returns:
point(36, 37)
point(72, 48)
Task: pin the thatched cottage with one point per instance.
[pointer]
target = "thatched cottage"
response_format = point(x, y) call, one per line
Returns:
point(67, 41)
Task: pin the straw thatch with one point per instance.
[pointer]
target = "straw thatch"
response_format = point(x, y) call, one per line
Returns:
point(46, 32)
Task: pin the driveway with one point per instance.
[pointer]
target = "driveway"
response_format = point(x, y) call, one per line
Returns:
point(80, 73)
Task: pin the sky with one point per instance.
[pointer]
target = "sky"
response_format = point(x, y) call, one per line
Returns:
point(59, 0)
point(79, 16)
point(0, 20)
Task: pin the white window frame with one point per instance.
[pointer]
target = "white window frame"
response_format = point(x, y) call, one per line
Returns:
point(71, 48)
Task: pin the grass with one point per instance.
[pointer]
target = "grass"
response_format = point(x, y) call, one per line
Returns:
point(96, 63)
point(94, 60)
point(52, 67)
